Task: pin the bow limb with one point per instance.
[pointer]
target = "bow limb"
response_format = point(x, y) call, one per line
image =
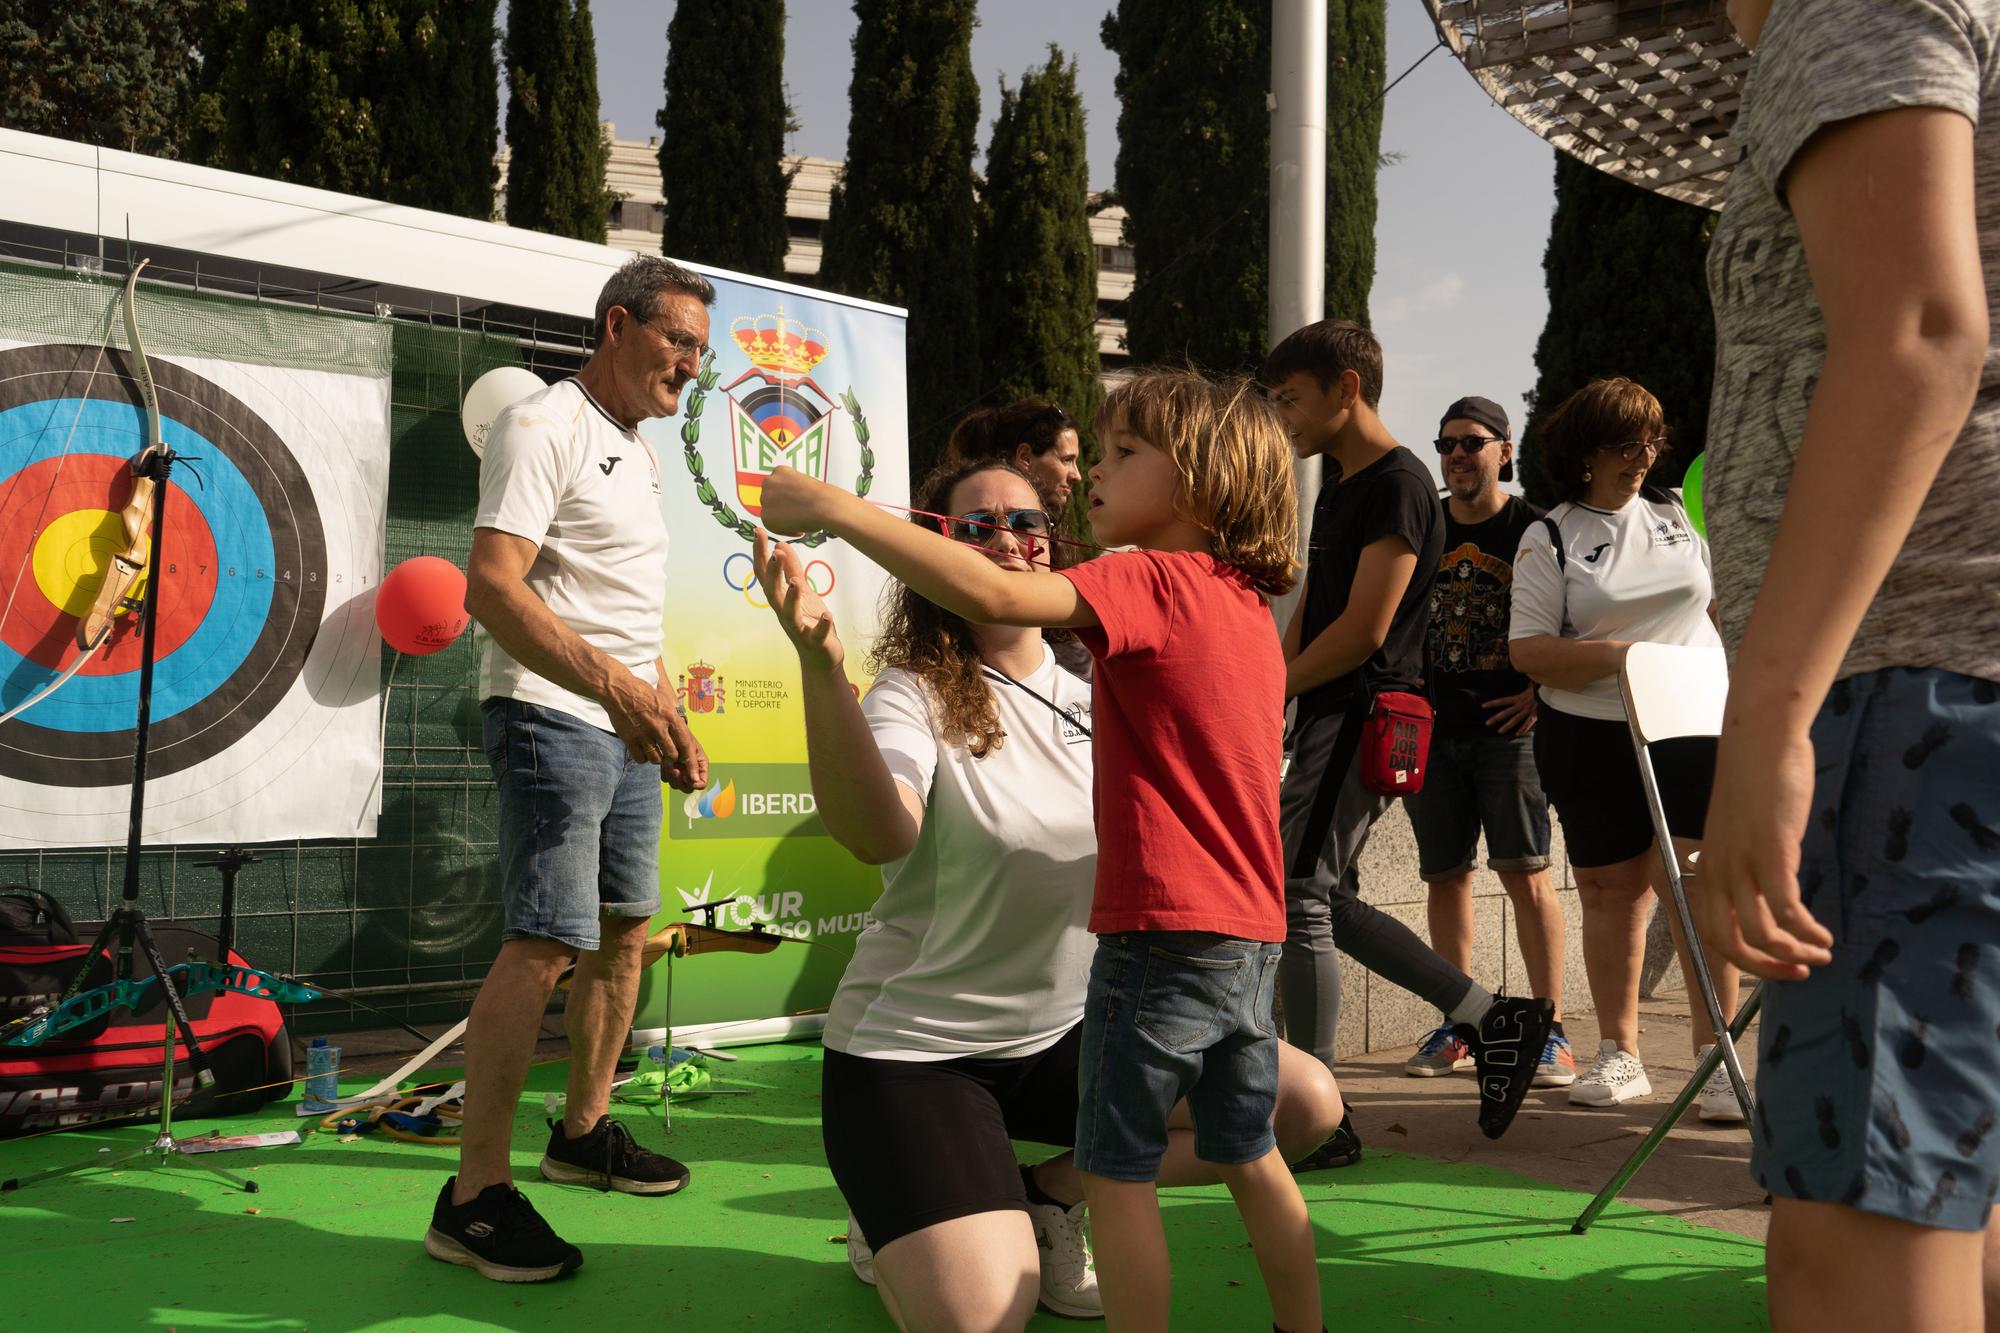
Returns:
point(54, 685)
point(192, 978)
point(114, 594)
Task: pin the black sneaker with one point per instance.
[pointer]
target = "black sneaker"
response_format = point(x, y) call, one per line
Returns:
point(1342, 1148)
point(500, 1234)
point(1506, 1050)
point(609, 1158)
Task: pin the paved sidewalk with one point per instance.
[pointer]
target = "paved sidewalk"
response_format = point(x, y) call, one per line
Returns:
point(1700, 1174)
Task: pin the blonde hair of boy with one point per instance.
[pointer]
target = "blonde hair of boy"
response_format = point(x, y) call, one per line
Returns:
point(1234, 460)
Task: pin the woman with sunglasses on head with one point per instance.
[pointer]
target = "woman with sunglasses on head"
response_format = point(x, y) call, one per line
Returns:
point(966, 774)
point(1038, 439)
point(1617, 562)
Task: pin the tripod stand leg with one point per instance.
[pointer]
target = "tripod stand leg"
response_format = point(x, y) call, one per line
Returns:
point(177, 1013)
point(1614, 1186)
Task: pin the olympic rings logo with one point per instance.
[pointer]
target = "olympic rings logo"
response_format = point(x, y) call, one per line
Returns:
point(753, 593)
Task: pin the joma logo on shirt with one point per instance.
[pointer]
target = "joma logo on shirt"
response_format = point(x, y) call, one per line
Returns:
point(609, 463)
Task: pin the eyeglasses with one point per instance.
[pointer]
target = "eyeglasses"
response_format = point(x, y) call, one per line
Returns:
point(1473, 443)
point(981, 526)
point(683, 344)
point(1630, 449)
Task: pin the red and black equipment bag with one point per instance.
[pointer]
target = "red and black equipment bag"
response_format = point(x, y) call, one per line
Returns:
point(111, 1069)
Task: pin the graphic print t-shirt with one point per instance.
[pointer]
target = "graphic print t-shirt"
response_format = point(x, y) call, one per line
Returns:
point(1816, 65)
point(1467, 661)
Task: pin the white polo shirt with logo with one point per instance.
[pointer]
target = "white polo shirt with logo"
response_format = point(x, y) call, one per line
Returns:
point(561, 473)
point(1639, 574)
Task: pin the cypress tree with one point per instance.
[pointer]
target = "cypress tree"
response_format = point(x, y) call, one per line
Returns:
point(389, 99)
point(900, 227)
point(1627, 296)
point(1193, 174)
point(103, 72)
point(722, 150)
point(441, 117)
point(1037, 264)
point(556, 147)
point(1356, 63)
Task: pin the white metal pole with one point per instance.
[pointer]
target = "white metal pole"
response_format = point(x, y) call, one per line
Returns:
point(1297, 103)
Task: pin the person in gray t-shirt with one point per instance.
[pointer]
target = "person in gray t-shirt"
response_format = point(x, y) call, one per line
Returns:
point(1851, 850)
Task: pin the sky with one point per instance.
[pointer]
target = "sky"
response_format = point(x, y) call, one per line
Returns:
point(1464, 213)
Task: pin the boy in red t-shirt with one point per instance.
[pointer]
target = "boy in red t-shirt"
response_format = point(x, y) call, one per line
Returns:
point(1188, 727)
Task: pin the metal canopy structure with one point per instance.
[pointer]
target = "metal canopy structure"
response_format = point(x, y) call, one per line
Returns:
point(1645, 90)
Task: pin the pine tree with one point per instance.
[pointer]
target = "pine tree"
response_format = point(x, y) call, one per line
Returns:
point(1627, 296)
point(1356, 62)
point(1037, 263)
point(389, 99)
point(722, 149)
point(1194, 176)
point(103, 72)
point(900, 226)
point(556, 148)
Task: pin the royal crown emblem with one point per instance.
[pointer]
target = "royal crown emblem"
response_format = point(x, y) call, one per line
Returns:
point(701, 691)
point(778, 345)
point(778, 416)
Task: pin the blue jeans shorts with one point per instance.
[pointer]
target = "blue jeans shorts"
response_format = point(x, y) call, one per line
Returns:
point(1479, 778)
point(1878, 1084)
point(579, 824)
point(1173, 1014)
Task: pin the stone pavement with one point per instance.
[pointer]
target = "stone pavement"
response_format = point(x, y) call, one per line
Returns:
point(1699, 1174)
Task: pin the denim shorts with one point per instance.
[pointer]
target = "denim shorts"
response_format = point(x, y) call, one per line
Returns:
point(579, 824)
point(1877, 1080)
point(1477, 779)
point(1173, 1014)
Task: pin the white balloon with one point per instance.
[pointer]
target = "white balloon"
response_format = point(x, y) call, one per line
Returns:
point(490, 395)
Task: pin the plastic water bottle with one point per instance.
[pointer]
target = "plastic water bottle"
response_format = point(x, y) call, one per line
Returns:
point(322, 1071)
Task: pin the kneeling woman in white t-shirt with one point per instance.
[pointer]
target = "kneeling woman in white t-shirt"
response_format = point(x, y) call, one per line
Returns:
point(1630, 569)
point(966, 775)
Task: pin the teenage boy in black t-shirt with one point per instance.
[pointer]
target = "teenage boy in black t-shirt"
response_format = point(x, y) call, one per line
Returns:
point(1482, 764)
point(1359, 628)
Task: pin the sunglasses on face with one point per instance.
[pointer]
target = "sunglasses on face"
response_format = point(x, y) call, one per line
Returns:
point(981, 526)
point(1630, 449)
point(1471, 443)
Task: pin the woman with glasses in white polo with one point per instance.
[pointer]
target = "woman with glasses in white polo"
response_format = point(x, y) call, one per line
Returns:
point(966, 775)
point(1617, 562)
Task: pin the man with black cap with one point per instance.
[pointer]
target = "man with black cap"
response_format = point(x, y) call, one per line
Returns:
point(1482, 763)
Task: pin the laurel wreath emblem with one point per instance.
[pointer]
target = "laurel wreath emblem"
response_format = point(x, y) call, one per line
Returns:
point(704, 489)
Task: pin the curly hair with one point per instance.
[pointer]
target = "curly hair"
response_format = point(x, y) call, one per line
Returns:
point(1234, 460)
point(1603, 412)
point(935, 645)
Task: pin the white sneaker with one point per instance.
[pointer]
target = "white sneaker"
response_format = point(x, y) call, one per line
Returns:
point(1069, 1273)
point(860, 1257)
point(1718, 1096)
point(1614, 1076)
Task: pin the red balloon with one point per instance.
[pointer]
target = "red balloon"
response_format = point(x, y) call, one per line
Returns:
point(420, 607)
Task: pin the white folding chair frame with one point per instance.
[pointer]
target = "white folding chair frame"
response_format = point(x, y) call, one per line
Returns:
point(1671, 693)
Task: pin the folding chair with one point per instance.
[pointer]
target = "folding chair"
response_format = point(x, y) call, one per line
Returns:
point(1673, 692)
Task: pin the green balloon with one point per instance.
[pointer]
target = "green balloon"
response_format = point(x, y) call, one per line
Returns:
point(1691, 494)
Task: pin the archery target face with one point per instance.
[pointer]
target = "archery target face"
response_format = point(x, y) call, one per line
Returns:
point(241, 579)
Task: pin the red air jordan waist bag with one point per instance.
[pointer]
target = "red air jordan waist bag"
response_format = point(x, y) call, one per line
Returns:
point(1396, 743)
